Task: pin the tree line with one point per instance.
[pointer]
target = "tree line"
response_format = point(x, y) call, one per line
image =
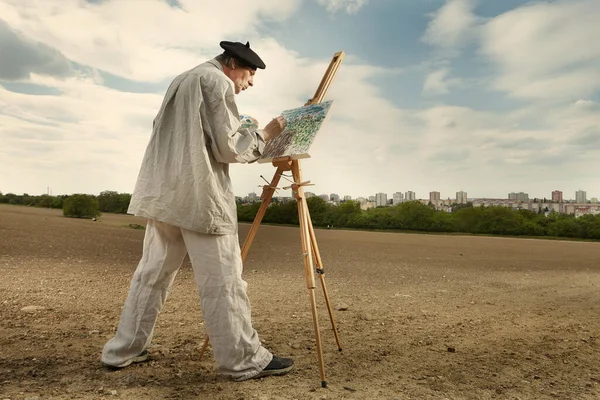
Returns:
point(407, 216)
point(416, 216)
point(79, 205)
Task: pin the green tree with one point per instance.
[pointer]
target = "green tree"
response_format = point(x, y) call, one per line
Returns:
point(319, 210)
point(44, 201)
point(455, 207)
point(501, 221)
point(11, 198)
point(81, 206)
point(442, 221)
point(590, 226)
point(57, 201)
point(468, 219)
point(565, 226)
point(414, 215)
point(247, 212)
point(346, 212)
point(381, 218)
point(282, 213)
point(110, 201)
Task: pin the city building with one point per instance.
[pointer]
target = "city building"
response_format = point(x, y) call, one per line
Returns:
point(569, 207)
point(372, 198)
point(557, 196)
point(594, 200)
point(308, 195)
point(461, 197)
point(334, 197)
point(434, 197)
point(524, 197)
point(410, 196)
point(580, 197)
point(252, 197)
point(347, 198)
point(397, 198)
point(324, 197)
point(381, 199)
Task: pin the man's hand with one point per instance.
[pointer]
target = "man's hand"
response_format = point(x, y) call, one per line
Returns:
point(274, 128)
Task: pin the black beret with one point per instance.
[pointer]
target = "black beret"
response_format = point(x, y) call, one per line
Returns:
point(243, 53)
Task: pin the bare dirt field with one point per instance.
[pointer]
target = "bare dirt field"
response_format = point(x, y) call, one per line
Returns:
point(428, 316)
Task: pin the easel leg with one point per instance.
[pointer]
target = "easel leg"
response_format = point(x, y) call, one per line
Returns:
point(267, 195)
point(308, 263)
point(321, 273)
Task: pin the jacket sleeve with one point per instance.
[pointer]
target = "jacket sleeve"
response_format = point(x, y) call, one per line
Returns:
point(230, 143)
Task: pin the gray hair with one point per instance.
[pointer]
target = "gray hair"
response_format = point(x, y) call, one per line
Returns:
point(226, 60)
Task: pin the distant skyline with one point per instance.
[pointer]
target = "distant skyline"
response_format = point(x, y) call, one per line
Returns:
point(287, 193)
point(565, 197)
point(489, 97)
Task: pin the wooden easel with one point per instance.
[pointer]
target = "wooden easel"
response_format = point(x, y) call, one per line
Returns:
point(310, 248)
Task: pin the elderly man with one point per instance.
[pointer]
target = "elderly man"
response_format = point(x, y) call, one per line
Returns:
point(185, 192)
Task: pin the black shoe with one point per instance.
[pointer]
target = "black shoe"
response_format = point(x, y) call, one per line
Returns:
point(143, 356)
point(277, 367)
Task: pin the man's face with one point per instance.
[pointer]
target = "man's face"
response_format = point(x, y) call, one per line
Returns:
point(242, 78)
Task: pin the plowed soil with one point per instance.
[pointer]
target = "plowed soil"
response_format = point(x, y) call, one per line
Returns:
point(423, 316)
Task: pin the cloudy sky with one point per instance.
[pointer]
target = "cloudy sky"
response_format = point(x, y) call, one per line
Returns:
point(485, 96)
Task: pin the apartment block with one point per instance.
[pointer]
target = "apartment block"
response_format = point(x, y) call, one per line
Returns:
point(557, 196)
point(518, 196)
point(397, 198)
point(381, 199)
point(434, 197)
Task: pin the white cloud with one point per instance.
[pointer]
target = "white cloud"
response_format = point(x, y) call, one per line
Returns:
point(452, 26)
point(579, 126)
point(545, 51)
point(86, 138)
point(488, 150)
point(141, 39)
point(349, 6)
point(439, 82)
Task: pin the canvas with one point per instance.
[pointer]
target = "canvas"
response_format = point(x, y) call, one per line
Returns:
point(303, 123)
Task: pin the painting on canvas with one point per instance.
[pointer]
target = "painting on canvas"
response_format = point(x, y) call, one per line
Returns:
point(302, 126)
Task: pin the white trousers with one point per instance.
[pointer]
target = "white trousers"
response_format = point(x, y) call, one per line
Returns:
point(217, 264)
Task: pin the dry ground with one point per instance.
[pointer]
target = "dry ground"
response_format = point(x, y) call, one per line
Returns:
point(520, 314)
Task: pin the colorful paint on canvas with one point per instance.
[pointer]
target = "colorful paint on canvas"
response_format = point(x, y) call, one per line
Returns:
point(302, 126)
point(248, 122)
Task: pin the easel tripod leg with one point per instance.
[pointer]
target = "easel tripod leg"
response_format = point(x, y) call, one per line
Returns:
point(308, 264)
point(321, 273)
point(267, 195)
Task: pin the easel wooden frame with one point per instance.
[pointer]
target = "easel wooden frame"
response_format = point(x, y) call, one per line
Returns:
point(310, 247)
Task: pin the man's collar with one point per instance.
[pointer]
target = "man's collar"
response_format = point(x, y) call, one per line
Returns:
point(216, 63)
point(219, 66)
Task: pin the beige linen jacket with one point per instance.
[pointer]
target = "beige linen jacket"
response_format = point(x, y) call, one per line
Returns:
point(184, 177)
